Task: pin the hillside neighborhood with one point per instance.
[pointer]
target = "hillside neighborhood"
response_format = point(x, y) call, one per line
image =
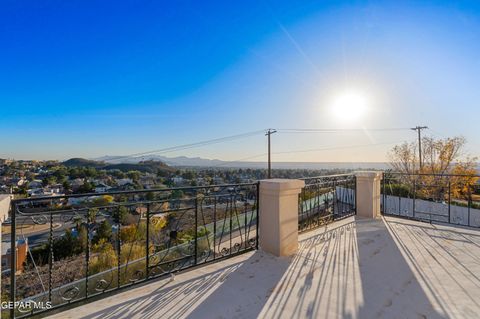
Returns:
point(31, 178)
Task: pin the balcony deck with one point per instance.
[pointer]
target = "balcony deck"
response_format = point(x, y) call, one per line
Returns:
point(354, 268)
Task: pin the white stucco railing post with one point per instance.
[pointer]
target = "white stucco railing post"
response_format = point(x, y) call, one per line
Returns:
point(278, 213)
point(4, 208)
point(368, 193)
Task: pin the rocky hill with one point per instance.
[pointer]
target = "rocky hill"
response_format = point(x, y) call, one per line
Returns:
point(144, 166)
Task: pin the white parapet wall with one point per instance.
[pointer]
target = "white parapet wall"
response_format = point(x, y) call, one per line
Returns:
point(430, 210)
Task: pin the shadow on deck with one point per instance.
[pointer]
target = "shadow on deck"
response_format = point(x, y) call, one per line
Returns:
point(354, 268)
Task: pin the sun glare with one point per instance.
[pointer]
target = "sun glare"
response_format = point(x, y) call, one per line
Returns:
point(349, 106)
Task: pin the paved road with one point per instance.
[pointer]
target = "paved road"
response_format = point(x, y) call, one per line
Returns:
point(60, 224)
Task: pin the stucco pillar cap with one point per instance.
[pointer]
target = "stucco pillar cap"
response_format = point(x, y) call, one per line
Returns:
point(280, 185)
point(369, 174)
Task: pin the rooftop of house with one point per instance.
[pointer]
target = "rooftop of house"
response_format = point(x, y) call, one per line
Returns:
point(354, 268)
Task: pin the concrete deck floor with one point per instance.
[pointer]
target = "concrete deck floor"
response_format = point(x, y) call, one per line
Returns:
point(386, 268)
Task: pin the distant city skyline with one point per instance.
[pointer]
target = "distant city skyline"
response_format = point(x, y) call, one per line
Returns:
point(88, 79)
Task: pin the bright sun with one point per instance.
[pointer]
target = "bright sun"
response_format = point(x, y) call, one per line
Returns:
point(349, 106)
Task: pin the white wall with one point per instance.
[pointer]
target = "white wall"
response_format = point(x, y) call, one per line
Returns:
point(403, 206)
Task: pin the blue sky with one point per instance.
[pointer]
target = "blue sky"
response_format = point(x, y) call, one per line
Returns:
point(88, 79)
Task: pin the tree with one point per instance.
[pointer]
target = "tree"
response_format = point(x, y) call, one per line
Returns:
point(60, 173)
point(103, 200)
point(121, 215)
point(128, 233)
point(104, 257)
point(92, 215)
point(104, 231)
point(82, 238)
point(177, 194)
point(77, 220)
point(440, 156)
point(23, 189)
point(90, 172)
point(87, 187)
point(134, 175)
point(150, 196)
point(117, 173)
point(441, 159)
point(67, 187)
point(64, 246)
point(464, 186)
point(49, 180)
point(188, 175)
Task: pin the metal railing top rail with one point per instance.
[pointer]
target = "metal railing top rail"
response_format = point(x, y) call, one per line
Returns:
point(328, 176)
point(431, 174)
point(86, 208)
point(129, 192)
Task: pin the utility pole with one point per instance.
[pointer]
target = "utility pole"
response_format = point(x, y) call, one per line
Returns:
point(419, 130)
point(268, 134)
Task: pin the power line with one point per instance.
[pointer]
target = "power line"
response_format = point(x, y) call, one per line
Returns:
point(335, 148)
point(267, 132)
point(191, 145)
point(438, 134)
point(306, 151)
point(300, 130)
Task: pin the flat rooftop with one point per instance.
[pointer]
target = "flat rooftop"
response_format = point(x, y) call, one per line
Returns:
point(354, 268)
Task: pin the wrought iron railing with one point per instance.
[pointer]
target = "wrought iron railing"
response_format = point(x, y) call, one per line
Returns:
point(325, 199)
point(81, 246)
point(443, 198)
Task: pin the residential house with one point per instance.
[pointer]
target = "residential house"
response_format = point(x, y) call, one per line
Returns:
point(76, 183)
point(36, 183)
point(101, 187)
point(218, 180)
point(177, 180)
point(124, 181)
point(148, 181)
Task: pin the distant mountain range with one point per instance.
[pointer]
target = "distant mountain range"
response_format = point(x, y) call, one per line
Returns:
point(183, 161)
point(149, 166)
point(171, 161)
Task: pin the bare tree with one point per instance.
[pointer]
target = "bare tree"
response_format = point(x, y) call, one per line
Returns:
point(441, 157)
point(403, 158)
